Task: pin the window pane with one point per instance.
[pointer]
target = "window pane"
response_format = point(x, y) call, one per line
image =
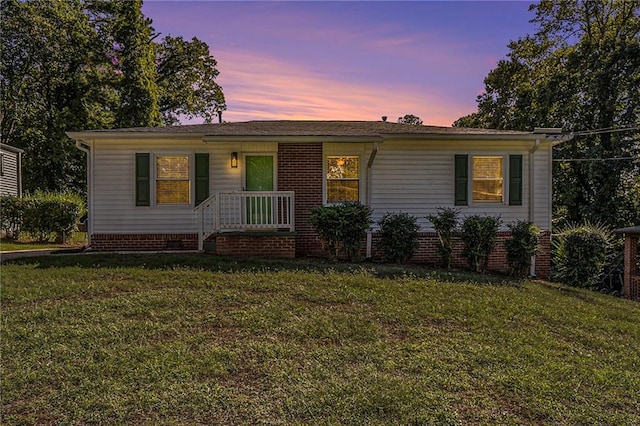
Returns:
point(172, 192)
point(487, 179)
point(487, 167)
point(342, 190)
point(173, 167)
point(342, 168)
point(487, 190)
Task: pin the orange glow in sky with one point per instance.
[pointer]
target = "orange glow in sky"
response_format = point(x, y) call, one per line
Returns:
point(348, 60)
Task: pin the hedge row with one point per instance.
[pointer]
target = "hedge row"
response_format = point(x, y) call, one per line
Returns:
point(343, 226)
point(42, 215)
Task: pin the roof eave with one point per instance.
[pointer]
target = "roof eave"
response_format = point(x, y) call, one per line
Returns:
point(91, 135)
point(291, 138)
point(11, 148)
point(466, 136)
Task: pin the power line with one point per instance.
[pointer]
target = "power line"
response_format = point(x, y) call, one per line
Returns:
point(575, 160)
point(604, 130)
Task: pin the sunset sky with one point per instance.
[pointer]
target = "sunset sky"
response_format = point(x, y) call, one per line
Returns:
point(348, 60)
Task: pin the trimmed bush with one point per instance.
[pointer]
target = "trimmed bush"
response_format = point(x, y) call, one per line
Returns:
point(522, 246)
point(445, 222)
point(399, 236)
point(581, 254)
point(11, 216)
point(342, 227)
point(48, 215)
point(479, 234)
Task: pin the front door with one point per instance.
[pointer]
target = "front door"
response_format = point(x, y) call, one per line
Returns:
point(259, 177)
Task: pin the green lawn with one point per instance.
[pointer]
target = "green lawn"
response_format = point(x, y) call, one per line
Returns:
point(194, 339)
point(25, 243)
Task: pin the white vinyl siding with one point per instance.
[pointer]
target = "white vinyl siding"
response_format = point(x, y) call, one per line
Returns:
point(9, 179)
point(418, 177)
point(114, 209)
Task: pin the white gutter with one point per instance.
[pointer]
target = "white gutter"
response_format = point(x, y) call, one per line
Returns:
point(558, 137)
point(86, 148)
point(372, 157)
point(532, 180)
point(532, 198)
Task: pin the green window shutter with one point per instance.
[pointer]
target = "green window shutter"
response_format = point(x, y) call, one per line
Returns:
point(515, 180)
point(202, 177)
point(461, 180)
point(143, 180)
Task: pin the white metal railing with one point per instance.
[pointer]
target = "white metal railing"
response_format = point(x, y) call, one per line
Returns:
point(206, 213)
point(250, 210)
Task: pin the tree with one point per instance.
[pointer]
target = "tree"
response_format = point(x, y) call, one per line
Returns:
point(130, 46)
point(410, 119)
point(45, 56)
point(68, 65)
point(579, 71)
point(186, 74)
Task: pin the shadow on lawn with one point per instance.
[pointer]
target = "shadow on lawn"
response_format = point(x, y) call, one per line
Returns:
point(209, 262)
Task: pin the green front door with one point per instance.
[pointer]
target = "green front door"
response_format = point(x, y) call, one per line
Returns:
point(259, 177)
point(259, 173)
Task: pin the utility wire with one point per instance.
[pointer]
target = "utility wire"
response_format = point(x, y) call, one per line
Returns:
point(604, 130)
point(575, 160)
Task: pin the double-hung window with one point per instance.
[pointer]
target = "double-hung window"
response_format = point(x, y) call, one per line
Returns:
point(171, 179)
point(489, 179)
point(343, 179)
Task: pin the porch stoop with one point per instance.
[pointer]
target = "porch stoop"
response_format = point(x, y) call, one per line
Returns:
point(274, 244)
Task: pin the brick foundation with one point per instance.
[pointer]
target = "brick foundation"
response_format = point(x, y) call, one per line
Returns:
point(143, 242)
point(427, 253)
point(276, 244)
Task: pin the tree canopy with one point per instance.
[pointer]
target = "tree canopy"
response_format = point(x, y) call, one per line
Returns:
point(68, 65)
point(410, 119)
point(580, 71)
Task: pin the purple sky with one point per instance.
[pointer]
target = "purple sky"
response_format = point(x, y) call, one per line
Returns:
point(348, 60)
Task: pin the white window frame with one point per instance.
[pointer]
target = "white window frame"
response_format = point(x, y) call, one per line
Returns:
point(153, 158)
point(325, 179)
point(505, 179)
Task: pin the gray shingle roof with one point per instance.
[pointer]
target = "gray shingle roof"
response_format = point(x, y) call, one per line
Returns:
point(311, 128)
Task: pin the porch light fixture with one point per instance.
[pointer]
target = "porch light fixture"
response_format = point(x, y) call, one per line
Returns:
point(234, 160)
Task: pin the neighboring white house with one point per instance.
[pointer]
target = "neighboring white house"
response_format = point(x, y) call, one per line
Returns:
point(174, 187)
point(10, 170)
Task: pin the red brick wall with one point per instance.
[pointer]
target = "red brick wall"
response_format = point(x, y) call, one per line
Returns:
point(428, 253)
point(142, 242)
point(631, 276)
point(267, 245)
point(300, 170)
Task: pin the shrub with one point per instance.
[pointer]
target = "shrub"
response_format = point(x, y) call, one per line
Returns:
point(11, 216)
point(399, 232)
point(580, 253)
point(522, 246)
point(52, 214)
point(445, 222)
point(342, 227)
point(479, 234)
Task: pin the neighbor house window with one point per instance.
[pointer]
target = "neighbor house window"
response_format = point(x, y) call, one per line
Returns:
point(488, 179)
point(343, 179)
point(172, 179)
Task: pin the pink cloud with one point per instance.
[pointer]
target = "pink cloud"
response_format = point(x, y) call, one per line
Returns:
point(258, 86)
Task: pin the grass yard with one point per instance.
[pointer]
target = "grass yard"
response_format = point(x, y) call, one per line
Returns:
point(25, 243)
point(195, 339)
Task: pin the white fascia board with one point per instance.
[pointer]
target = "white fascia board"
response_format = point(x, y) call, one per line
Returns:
point(290, 139)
